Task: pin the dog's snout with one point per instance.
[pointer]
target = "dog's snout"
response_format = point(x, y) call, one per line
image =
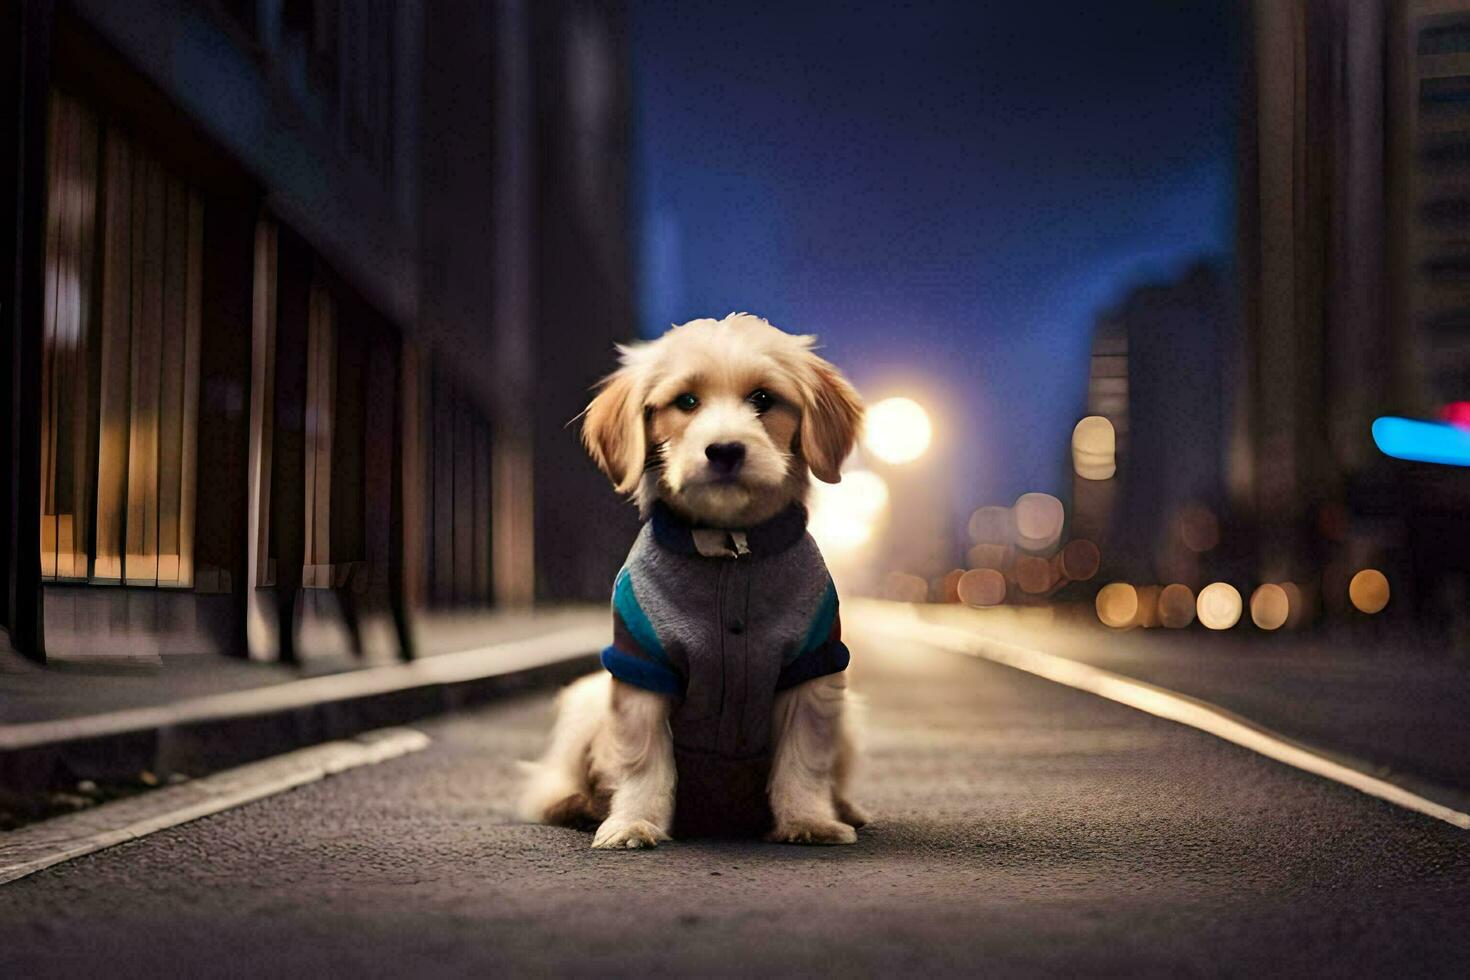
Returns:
point(725, 458)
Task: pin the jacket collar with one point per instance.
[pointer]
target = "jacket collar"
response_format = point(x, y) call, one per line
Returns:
point(767, 538)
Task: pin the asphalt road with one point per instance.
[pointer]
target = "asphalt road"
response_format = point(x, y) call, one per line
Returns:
point(1020, 828)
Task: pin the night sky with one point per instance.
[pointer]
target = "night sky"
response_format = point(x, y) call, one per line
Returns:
point(947, 193)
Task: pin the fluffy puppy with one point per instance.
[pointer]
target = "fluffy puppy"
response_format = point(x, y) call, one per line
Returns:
point(722, 706)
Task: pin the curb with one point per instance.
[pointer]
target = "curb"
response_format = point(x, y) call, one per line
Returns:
point(51, 842)
point(207, 734)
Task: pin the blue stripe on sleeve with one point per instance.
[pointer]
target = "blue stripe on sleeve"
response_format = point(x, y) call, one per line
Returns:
point(641, 673)
point(626, 605)
point(821, 627)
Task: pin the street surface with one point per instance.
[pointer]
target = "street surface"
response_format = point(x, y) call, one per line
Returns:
point(1020, 827)
point(1392, 702)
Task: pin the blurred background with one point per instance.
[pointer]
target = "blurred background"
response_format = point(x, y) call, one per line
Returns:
point(1162, 310)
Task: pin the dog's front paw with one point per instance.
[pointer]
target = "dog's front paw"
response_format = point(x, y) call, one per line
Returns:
point(850, 812)
point(808, 831)
point(633, 834)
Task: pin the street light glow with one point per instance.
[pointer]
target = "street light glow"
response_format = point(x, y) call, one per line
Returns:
point(843, 515)
point(897, 430)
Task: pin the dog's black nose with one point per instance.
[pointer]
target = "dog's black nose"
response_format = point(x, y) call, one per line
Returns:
point(725, 458)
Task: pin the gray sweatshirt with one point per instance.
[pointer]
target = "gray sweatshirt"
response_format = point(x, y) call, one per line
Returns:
point(720, 621)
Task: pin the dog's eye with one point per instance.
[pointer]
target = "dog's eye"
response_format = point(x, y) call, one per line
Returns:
point(686, 402)
point(761, 400)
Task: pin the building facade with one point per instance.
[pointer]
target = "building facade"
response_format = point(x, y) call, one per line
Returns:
point(1353, 259)
point(300, 296)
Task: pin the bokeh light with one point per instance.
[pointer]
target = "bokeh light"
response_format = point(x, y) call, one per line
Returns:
point(1456, 414)
point(1219, 606)
point(1199, 529)
point(844, 515)
point(982, 587)
point(1297, 602)
point(1117, 605)
point(1148, 606)
point(1080, 560)
point(1094, 449)
point(1422, 442)
point(1176, 606)
point(1368, 591)
point(1039, 518)
point(1270, 607)
point(1034, 575)
point(949, 586)
point(992, 525)
point(997, 556)
point(903, 587)
point(897, 430)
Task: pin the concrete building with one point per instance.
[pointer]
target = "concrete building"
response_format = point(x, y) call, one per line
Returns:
point(1427, 65)
point(299, 298)
point(1352, 255)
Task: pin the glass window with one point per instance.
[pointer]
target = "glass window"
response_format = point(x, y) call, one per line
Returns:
point(121, 366)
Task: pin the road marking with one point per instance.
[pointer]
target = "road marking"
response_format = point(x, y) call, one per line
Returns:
point(440, 668)
point(1163, 703)
point(50, 842)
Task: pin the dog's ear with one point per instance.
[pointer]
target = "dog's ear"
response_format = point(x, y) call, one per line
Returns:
point(612, 428)
point(830, 419)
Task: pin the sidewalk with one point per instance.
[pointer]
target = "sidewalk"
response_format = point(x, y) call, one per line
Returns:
point(194, 714)
point(1370, 697)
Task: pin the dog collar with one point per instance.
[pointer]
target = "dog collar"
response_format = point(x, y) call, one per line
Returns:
point(767, 538)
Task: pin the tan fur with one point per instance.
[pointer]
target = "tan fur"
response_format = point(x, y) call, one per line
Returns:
point(648, 447)
point(833, 414)
point(611, 755)
point(612, 429)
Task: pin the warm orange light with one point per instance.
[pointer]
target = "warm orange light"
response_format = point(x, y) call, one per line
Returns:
point(1270, 607)
point(1219, 606)
point(982, 587)
point(1117, 605)
point(1369, 591)
point(1176, 606)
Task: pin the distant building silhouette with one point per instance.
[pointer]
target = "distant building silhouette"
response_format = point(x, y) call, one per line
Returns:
point(1158, 374)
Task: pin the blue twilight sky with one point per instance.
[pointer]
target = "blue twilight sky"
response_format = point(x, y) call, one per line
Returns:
point(946, 192)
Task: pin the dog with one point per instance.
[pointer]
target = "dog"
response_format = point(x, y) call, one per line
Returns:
point(723, 707)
